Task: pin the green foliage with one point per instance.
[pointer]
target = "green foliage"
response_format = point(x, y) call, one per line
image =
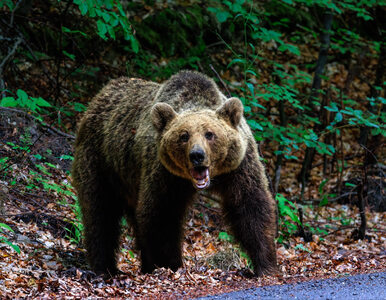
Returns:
point(19, 147)
point(284, 93)
point(288, 221)
point(256, 97)
point(22, 100)
point(356, 117)
point(110, 17)
point(130, 252)
point(76, 234)
point(43, 177)
point(301, 247)
point(4, 240)
point(225, 236)
point(172, 30)
point(3, 163)
point(324, 195)
point(343, 220)
point(247, 258)
point(66, 157)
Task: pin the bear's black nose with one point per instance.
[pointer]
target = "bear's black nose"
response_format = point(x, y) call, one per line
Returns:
point(196, 155)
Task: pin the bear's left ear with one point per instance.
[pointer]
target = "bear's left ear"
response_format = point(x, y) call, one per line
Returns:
point(161, 114)
point(232, 110)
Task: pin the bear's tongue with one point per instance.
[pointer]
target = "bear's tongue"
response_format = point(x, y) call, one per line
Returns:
point(200, 177)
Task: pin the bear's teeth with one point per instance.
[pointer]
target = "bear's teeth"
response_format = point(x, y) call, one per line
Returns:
point(203, 183)
point(200, 178)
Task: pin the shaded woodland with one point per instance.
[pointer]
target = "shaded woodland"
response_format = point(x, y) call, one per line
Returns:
point(311, 76)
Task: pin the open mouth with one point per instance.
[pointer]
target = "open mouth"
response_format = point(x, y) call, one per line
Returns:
point(200, 176)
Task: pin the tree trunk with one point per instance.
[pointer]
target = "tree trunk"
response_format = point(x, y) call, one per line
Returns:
point(316, 84)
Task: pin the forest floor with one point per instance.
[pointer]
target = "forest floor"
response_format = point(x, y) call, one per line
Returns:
point(37, 202)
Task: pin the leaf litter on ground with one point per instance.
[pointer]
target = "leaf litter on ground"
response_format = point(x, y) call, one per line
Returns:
point(50, 265)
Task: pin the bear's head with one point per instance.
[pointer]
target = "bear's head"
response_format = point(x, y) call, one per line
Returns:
point(198, 145)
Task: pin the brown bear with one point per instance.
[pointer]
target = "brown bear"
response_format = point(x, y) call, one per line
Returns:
point(142, 152)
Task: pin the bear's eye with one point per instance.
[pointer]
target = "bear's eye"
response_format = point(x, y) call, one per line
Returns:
point(209, 135)
point(184, 137)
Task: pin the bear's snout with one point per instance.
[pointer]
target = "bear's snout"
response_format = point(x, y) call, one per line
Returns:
point(197, 155)
point(200, 171)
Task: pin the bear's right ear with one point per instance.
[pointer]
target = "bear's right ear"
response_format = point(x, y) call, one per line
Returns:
point(161, 114)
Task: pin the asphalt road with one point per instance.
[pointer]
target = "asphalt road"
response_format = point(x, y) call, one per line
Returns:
point(364, 286)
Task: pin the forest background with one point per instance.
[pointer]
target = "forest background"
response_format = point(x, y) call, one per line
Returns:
point(311, 76)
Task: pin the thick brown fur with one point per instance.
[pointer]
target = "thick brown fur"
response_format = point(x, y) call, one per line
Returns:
point(136, 152)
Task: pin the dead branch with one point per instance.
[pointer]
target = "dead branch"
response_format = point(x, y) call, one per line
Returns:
point(219, 78)
point(310, 201)
point(13, 13)
point(10, 53)
point(4, 62)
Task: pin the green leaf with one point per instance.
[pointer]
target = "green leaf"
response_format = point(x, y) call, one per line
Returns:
point(331, 148)
point(225, 236)
point(131, 253)
point(79, 107)
point(332, 108)
point(51, 165)
point(106, 17)
point(111, 31)
point(102, 30)
point(290, 48)
point(321, 186)
point(83, 7)
point(251, 72)
point(22, 95)
point(251, 89)
point(254, 125)
point(41, 102)
point(70, 56)
point(9, 3)
point(267, 35)
point(222, 16)
point(134, 44)
point(37, 156)
point(13, 246)
point(3, 225)
point(290, 157)
point(247, 109)
point(301, 247)
point(67, 30)
point(236, 60)
point(237, 8)
point(338, 117)
point(8, 102)
point(69, 157)
point(324, 201)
